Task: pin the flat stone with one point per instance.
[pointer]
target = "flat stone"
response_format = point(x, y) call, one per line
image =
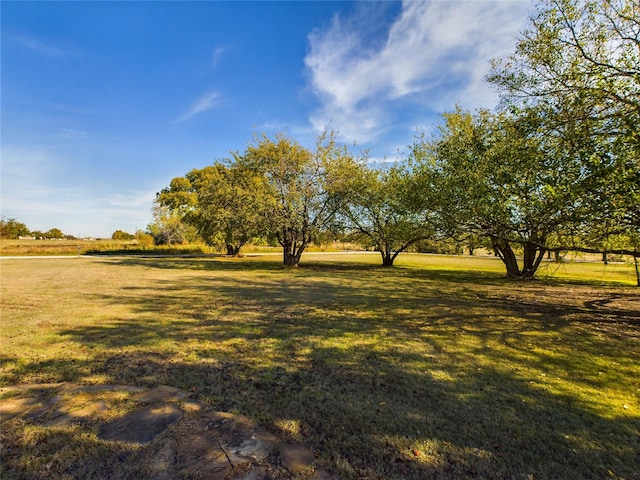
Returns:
point(161, 461)
point(66, 406)
point(84, 414)
point(296, 457)
point(255, 473)
point(253, 449)
point(321, 474)
point(141, 426)
point(162, 393)
point(105, 388)
point(31, 387)
point(43, 409)
point(201, 443)
point(16, 406)
point(199, 454)
point(213, 466)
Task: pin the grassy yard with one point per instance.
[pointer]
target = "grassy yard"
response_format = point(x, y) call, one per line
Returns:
point(437, 368)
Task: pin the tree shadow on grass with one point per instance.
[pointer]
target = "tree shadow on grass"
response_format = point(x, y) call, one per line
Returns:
point(369, 417)
point(59, 453)
point(404, 375)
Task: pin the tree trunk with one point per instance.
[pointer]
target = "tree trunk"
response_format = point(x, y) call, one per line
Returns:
point(288, 255)
point(635, 260)
point(387, 260)
point(532, 256)
point(289, 260)
point(505, 252)
point(233, 250)
point(292, 253)
point(387, 256)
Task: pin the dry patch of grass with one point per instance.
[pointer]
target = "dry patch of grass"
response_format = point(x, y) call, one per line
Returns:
point(437, 368)
point(81, 247)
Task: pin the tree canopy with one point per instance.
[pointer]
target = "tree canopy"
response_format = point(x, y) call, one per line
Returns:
point(10, 228)
point(224, 202)
point(556, 166)
point(302, 201)
point(380, 207)
point(579, 64)
point(501, 177)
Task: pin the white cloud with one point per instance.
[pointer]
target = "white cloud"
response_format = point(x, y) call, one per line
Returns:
point(434, 54)
point(43, 47)
point(71, 133)
point(41, 192)
point(216, 55)
point(206, 102)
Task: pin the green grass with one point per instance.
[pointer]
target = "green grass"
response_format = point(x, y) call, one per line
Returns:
point(438, 368)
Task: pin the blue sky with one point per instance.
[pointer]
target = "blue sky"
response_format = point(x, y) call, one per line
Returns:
point(103, 103)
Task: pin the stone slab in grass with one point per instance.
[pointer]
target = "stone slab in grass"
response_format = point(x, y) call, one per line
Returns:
point(186, 438)
point(296, 457)
point(256, 448)
point(320, 474)
point(16, 406)
point(142, 425)
point(105, 388)
point(71, 416)
point(162, 393)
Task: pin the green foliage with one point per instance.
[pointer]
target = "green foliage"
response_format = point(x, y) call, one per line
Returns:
point(121, 235)
point(144, 239)
point(167, 227)
point(442, 247)
point(505, 178)
point(54, 233)
point(380, 206)
point(10, 228)
point(557, 168)
point(579, 64)
point(225, 203)
point(302, 198)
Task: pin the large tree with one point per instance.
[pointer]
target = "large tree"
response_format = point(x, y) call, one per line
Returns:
point(299, 182)
point(226, 203)
point(503, 178)
point(11, 228)
point(385, 209)
point(579, 63)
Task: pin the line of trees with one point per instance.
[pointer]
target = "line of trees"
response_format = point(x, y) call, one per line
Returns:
point(556, 167)
point(11, 228)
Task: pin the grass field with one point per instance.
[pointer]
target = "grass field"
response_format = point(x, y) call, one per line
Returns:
point(81, 247)
point(437, 368)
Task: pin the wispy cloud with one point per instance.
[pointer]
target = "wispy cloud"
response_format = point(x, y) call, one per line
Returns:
point(216, 55)
point(432, 54)
point(204, 103)
point(71, 133)
point(47, 48)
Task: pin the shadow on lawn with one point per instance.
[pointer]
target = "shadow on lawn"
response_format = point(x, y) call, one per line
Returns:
point(382, 380)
